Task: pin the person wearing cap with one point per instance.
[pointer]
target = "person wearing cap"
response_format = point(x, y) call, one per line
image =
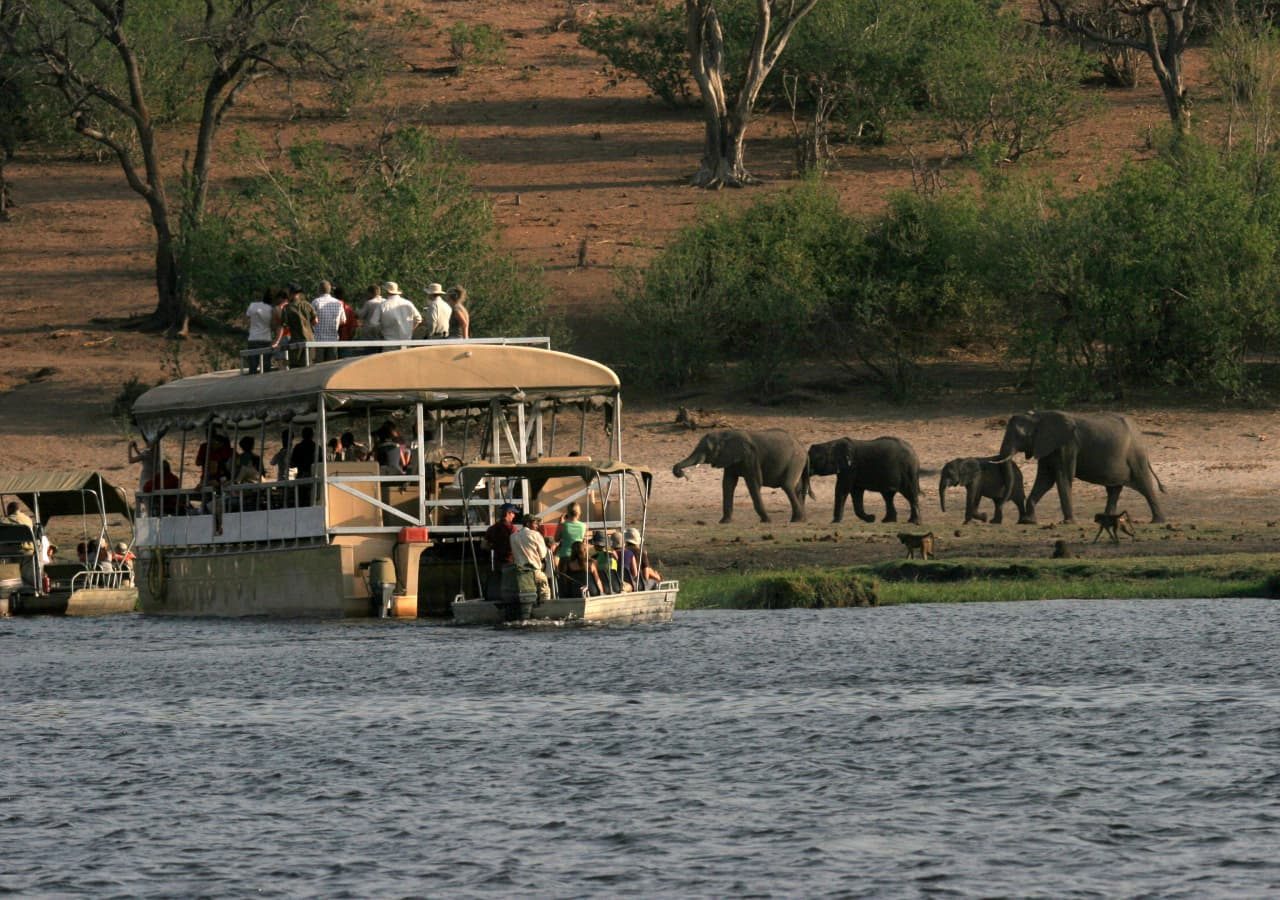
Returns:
point(529, 553)
point(497, 538)
point(122, 557)
point(299, 316)
point(631, 560)
point(606, 562)
point(398, 316)
point(439, 312)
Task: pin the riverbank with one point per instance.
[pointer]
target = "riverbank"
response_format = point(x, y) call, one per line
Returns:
point(985, 580)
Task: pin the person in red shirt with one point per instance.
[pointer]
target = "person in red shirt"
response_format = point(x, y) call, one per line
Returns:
point(168, 482)
point(347, 330)
point(497, 537)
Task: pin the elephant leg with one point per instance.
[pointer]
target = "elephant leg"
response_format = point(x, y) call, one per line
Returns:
point(842, 493)
point(1044, 481)
point(753, 488)
point(1064, 497)
point(971, 500)
point(1145, 485)
point(1113, 498)
point(1020, 503)
point(858, 509)
point(913, 503)
point(797, 504)
point(729, 484)
point(998, 518)
point(890, 510)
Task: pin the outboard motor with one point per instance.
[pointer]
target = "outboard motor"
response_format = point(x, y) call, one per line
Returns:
point(382, 584)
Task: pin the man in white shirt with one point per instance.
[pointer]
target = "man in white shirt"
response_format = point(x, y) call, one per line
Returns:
point(371, 317)
point(262, 333)
point(398, 316)
point(329, 315)
point(529, 552)
point(440, 312)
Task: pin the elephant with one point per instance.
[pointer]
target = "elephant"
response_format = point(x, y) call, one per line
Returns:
point(886, 465)
point(1100, 448)
point(769, 458)
point(999, 482)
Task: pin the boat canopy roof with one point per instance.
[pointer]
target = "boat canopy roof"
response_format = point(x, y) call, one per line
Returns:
point(446, 375)
point(65, 493)
point(539, 473)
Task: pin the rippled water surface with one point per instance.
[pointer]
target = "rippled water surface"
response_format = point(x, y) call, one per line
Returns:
point(1062, 748)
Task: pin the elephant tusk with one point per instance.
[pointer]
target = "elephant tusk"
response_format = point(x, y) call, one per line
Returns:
point(1000, 460)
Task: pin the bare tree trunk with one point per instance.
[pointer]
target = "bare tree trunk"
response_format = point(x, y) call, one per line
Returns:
point(726, 121)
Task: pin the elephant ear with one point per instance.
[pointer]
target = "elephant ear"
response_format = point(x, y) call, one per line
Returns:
point(968, 470)
point(1052, 434)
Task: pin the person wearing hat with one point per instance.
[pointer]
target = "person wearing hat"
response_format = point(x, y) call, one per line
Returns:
point(529, 554)
point(123, 558)
point(299, 316)
point(440, 312)
point(631, 560)
point(497, 538)
point(606, 562)
point(397, 315)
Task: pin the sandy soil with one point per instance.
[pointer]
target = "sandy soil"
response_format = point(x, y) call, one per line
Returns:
point(594, 159)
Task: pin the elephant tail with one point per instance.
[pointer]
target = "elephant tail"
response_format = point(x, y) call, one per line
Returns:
point(1159, 483)
point(806, 483)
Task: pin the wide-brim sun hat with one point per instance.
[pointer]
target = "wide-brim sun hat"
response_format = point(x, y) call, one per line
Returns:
point(390, 287)
point(122, 547)
point(632, 536)
point(435, 290)
point(598, 539)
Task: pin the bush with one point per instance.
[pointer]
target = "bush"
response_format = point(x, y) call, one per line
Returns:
point(405, 212)
point(649, 46)
point(807, 590)
point(739, 288)
point(478, 44)
point(1162, 277)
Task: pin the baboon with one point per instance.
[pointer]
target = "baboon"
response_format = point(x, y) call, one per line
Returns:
point(914, 542)
point(1062, 550)
point(1113, 524)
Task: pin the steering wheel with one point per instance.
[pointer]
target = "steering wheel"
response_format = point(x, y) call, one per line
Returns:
point(450, 464)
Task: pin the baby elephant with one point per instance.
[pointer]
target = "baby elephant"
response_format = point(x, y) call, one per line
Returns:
point(1113, 524)
point(914, 542)
point(997, 481)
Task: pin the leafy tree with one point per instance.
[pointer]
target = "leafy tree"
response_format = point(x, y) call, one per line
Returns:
point(649, 45)
point(122, 71)
point(728, 102)
point(1161, 29)
point(405, 211)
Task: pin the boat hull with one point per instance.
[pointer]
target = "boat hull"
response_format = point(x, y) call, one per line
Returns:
point(88, 602)
point(631, 608)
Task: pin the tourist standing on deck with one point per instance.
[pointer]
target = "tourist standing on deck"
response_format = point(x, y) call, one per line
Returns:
point(371, 317)
point(350, 324)
point(497, 537)
point(529, 553)
point(303, 459)
point(459, 318)
point(330, 316)
point(440, 311)
point(399, 316)
point(262, 332)
point(299, 317)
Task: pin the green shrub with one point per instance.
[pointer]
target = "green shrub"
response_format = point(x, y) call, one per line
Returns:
point(405, 212)
point(806, 590)
point(479, 44)
point(649, 45)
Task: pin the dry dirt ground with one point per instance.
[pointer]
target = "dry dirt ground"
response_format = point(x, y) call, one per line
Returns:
point(594, 159)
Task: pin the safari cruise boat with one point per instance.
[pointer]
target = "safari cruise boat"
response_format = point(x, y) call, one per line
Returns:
point(66, 505)
point(433, 437)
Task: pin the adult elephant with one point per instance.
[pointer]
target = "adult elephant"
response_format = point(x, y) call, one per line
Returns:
point(1100, 448)
point(886, 465)
point(768, 458)
point(999, 482)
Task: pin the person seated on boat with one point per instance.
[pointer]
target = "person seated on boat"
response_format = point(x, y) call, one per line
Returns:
point(302, 459)
point(572, 530)
point(529, 554)
point(392, 455)
point(122, 557)
point(248, 469)
point(351, 449)
point(280, 461)
point(579, 571)
point(606, 562)
point(15, 515)
point(631, 576)
point(650, 577)
point(166, 482)
point(497, 537)
point(333, 450)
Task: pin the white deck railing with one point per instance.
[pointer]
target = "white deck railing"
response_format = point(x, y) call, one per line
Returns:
point(349, 349)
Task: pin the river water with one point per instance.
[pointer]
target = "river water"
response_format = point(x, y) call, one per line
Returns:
point(1037, 749)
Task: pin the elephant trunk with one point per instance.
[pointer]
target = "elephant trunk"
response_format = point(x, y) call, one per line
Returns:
point(943, 484)
point(693, 459)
